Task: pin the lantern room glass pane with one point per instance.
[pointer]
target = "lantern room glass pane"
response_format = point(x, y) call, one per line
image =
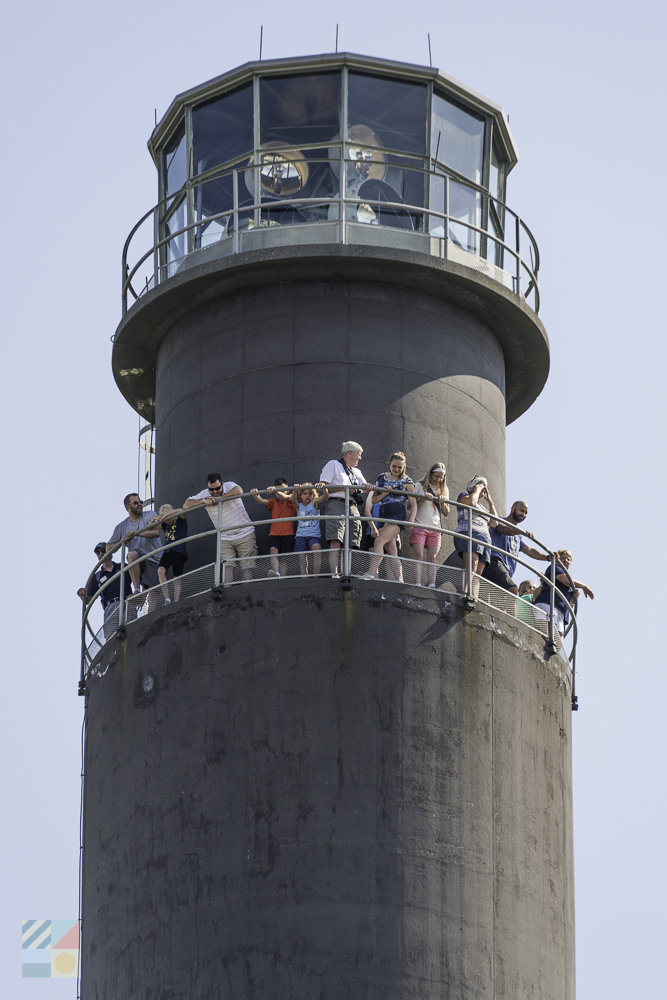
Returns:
point(177, 247)
point(393, 110)
point(222, 129)
point(461, 139)
point(175, 163)
point(299, 110)
point(495, 176)
point(209, 199)
point(465, 207)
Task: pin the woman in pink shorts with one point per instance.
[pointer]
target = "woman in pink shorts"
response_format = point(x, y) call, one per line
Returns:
point(432, 495)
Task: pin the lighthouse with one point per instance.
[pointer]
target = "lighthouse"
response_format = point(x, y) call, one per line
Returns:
point(320, 786)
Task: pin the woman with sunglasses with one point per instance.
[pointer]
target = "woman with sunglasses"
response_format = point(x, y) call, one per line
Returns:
point(432, 495)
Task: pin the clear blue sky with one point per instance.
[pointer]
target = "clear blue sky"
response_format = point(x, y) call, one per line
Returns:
point(583, 85)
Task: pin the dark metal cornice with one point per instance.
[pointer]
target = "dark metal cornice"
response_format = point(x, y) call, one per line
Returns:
point(303, 64)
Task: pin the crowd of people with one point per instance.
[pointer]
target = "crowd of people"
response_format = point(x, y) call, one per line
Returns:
point(393, 500)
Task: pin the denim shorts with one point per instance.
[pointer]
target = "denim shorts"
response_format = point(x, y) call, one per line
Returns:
point(480, 541)
point(302, 543)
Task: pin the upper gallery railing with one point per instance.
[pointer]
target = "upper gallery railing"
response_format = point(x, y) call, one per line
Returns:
point(352, 563)
point(243, 208)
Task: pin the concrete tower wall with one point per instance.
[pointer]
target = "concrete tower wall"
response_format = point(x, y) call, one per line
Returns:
point(297, 792)
point(267, 382)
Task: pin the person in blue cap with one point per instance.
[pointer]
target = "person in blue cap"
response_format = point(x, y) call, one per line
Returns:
point(110, 596)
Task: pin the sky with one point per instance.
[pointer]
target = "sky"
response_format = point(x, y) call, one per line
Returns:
point(583, 85)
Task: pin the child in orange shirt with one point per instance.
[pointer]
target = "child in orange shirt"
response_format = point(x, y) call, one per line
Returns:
point(281, 535)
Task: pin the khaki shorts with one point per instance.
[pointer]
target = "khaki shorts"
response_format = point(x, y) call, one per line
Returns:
point(335, 530)
point(240, 548)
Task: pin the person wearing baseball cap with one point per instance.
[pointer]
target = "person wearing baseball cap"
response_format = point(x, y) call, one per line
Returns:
point(110, 596)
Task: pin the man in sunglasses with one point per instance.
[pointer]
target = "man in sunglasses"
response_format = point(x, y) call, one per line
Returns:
point(237, 534)
point(145, 574)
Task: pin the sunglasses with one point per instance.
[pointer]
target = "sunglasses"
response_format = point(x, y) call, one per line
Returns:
point(136, 503)
point(215, 489)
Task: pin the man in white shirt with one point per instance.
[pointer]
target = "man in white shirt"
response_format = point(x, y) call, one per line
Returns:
point(237, 534)
point(337, 472)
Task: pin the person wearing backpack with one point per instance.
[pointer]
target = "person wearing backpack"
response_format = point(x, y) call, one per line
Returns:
point(343, 471)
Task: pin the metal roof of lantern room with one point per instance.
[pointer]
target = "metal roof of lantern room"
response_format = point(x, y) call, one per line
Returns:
point(309, 64)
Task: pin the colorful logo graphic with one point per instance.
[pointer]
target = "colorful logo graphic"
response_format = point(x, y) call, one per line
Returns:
point(50, 949)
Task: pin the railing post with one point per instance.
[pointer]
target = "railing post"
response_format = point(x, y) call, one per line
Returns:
point(346, 543)
point(518, 256)
point(235, 195)
point(257, 190)
point(156, 240)
point(122, 616)
point(447, 217)
point(469, 567)
point(341, 195)
point(217, 571)
point(552, 603)
point(82, 678)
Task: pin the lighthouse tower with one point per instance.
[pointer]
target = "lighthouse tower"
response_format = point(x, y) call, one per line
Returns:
point(312, 787)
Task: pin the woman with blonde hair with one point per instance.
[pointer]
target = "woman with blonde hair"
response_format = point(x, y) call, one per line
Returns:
point(392, 508)
point(432, 494)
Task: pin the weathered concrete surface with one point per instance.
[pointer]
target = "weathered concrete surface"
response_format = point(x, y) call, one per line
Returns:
point(268, 382)
point(518, 330)
point(300, 793)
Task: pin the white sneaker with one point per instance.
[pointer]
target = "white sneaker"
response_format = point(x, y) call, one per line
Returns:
point(335, 576)
point(431, 586)
point(272, 572)
point(368, 576)
point(167, 600)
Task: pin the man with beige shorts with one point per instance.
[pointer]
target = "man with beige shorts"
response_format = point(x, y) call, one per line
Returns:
point(237, 535)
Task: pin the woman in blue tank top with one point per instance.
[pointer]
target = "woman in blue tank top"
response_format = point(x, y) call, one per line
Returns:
point(392, 508)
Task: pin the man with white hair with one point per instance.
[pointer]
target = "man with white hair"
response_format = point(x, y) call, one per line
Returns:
point(343, 471)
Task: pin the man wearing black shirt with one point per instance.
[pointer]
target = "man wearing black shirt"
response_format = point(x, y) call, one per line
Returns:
point(110, 596)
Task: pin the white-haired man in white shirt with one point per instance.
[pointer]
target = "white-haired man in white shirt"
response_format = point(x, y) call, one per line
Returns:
point(343, 471)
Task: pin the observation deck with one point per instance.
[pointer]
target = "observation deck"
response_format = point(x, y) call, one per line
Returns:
point(400, 581)
point(338, 166)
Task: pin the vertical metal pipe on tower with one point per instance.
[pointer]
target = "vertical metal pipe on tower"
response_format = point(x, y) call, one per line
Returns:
point(310, 786)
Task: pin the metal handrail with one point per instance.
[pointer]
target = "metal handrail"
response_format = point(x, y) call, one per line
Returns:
point(439, 171)
point(346, 561)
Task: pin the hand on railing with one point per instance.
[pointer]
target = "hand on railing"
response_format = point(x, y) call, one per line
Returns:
point(347, 489)
point(230, 218)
